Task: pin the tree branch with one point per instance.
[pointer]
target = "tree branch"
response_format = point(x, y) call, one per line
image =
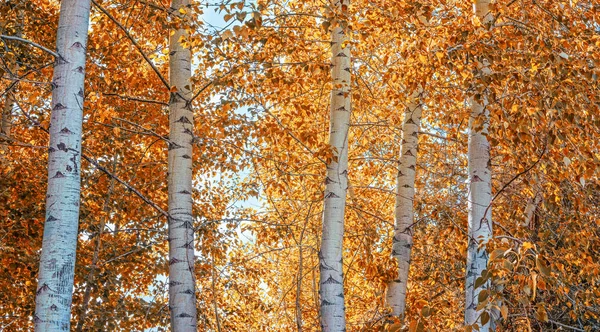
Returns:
point(168, 11)
point(107, 172)
point(566, 326)
point(16, 80)
point(27, 41)
point(134, 42)
point(150, 101)
point(127, 185)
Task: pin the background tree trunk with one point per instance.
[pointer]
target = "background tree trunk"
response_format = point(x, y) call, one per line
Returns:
point(404, 212)
point(182, 287)
point(480, 192)
point(9, 102)
point(331, 268)
point(7, 110)
point(57, 262)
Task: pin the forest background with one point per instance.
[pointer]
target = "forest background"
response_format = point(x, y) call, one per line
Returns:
point(262, 83)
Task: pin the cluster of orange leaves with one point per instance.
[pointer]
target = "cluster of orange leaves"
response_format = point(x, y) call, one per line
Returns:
point(260, 152)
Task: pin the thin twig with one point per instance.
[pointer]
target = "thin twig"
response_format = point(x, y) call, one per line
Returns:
point(566, 326)
point(518, 175)
point(127, 185)
point(168, 11)
point(107, 172)
point(200, 91)
point(17, 80)
point(26, 41)
point(150, 101)
point(134, 42)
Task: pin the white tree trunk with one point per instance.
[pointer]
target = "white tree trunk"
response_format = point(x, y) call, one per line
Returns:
point(331, 284)
point(57, 262)
point(182, 283)
point(404, 212)
point(480, 192)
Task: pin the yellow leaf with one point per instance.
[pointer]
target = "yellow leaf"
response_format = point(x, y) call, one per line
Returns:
point(395, 327)
point(534, 282)
point(504, 312)
point(227, 34)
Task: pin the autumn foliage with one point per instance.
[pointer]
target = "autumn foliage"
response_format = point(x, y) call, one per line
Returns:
point(261, 85)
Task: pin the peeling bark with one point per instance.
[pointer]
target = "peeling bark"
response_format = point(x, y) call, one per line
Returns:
point(331, 285)
point(404, 211)
point(182, 282)
point(57, 262)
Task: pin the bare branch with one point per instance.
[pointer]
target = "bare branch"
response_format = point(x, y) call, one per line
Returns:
point(27, 41)
point(127, 185)
point(134, 42)
point(150, 101)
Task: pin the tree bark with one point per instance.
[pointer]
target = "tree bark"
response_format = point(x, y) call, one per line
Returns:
point(331, 283)
point(404, 212)
point(9, 102)
point(480, 191)
point(182, 283)
point(531, 208)
point(90, 279)
point(7, 111)
point(57, 262)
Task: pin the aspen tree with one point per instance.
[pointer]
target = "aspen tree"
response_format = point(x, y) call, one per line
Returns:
point(182, 288)
point(331, 268)
point(57, 262)
point(403, 210)
point(480, 193)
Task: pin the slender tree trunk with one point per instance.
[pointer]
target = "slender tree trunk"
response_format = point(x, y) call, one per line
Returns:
point(480, 193)
point(57, 262)
point(331, 284)
point(299, 290)
point(182, 283)
point(404, 212)
point(6, 125)
point(7, 113)
point(9, 102)
point(531, 208)
point(89, 280)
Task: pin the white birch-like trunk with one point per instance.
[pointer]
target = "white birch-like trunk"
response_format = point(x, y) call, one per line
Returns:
point(480, 193)
point(404, 212)
point(57, 262)
point(182, 283)
point(331, 284)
